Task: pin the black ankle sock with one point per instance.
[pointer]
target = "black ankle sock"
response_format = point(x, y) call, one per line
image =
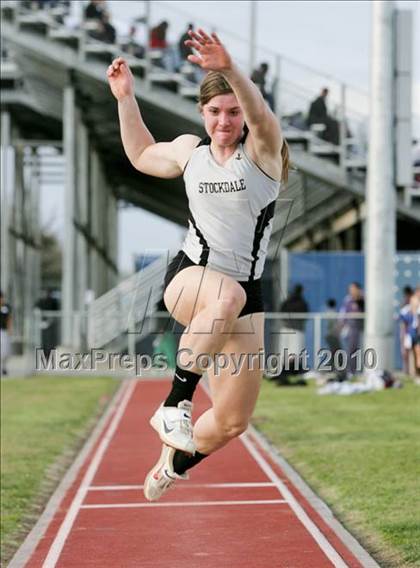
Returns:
point(183, 461)
point(183, 387)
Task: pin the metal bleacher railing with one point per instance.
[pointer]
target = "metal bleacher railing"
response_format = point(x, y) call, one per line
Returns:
point(294, 84)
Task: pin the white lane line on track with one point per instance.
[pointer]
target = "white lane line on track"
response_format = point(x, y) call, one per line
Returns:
point(189, 486)
point(300, 513)
point(72, 512)
point(184, 504)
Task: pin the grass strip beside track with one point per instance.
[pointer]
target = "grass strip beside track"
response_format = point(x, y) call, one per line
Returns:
point(44, 420)
point(361, 454)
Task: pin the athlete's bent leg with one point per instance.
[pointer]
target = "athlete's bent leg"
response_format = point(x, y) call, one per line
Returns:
point(234, 395)
point(208, 303)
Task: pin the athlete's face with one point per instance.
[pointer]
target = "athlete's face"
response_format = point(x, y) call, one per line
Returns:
point(223, 119)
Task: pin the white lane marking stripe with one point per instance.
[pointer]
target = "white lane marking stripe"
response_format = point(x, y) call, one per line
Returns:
point(190, 486)
point(184, 504)
point(310, 526)
point(67, 524)
point(300, 513)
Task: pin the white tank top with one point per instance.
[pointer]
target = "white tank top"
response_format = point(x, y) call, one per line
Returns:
point(231, 211)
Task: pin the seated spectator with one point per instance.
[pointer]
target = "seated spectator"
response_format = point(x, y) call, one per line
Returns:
point(93, 18)
point(318, 114)
point(259, 76)
point(185, 50)
point(107, 33)
point(157, 40)
point(94, 10)
point(195, 73)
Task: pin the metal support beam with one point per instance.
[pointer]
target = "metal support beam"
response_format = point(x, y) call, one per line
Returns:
point(6, 157)
point(381, 206)
point(252, 35)
point(82, 212)
point(69, 268)
point(112, 238)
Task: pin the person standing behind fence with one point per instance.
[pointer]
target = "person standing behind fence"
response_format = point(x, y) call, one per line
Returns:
point(415, 307)
point(410, 320)
point(406, 344)
point(5, 331)
point(292, 335)
point(332, 338)
point(352, 328)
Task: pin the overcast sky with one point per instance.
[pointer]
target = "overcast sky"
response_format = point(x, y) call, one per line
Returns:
point(332, 38)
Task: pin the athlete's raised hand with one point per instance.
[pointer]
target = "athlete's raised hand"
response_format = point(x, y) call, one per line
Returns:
point(120, 79)
point(213, 56)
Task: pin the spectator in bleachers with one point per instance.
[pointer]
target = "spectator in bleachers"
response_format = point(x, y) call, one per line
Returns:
point(259, 77)
point(318, 110)
point(94, 10)
point(94, 13)
point(131, 46)
point(107, 33)
point(352, 328)
point(194, 72)
point(318, 114)
point(185, 50)
point(157, 40)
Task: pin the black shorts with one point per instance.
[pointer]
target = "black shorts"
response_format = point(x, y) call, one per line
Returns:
point(254, 300)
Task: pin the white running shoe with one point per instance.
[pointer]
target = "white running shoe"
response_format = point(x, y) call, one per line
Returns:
point(174, 426)
point(162, 475)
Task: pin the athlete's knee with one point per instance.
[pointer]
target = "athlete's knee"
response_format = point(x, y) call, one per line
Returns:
point(231, 427)
point(230, 304)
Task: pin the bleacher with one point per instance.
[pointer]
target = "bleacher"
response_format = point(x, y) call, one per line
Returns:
point(168, 98)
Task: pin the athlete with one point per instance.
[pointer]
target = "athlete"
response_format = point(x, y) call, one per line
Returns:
point(213, 285)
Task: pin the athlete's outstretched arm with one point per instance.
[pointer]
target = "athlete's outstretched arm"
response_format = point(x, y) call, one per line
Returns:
point(161, 159)
point(261, 121)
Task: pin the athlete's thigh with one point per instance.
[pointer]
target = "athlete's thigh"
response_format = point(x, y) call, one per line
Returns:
point(196, 287)
point(234, 390)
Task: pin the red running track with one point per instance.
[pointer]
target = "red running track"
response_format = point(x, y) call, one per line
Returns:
point(237, 510)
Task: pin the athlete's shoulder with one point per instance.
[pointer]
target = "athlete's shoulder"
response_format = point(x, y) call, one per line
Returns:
point(184, 146)
point(187, 141)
